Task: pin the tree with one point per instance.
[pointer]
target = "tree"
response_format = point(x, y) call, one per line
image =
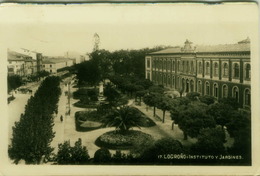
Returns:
point(72, 155)
point(14, 82)
point(152, 99)
point(33, 134)
point(239, 128)
point(193, 96)
point(230, 102)
point(140, 94)
point(210, 142)
point(161, 147)
point(112, 95)
point(194, 118)
point(179, 104)
point(207, 99)
point(221, 113)
point(102, 59)
point(89, 72)
point(164, 104)
point(123, 118)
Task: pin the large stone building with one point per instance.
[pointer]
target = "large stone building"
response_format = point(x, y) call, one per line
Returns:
point(53, 65)
point(23, 63)
point(217, 70)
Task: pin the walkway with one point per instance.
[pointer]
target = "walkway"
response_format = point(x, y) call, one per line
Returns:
point(163, 129)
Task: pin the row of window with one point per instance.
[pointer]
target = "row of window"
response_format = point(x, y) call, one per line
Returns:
point(188, 67)
point(188, 86)
point(225, 68)
point(225, 93)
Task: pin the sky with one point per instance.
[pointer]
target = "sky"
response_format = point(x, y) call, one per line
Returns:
point(56, 29)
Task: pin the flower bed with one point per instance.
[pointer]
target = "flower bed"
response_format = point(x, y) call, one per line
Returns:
point(118, 140)
point(79, 104)
point(87, 121)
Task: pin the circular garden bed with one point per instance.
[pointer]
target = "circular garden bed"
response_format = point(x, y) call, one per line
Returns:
point(119, 140)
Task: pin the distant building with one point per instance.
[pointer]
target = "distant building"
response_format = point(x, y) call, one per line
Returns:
point(23, 64)
point(219, 70)
point(77, 56)
point(52, 65)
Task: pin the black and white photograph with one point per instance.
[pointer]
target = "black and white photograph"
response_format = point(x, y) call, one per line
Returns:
point(147, 85)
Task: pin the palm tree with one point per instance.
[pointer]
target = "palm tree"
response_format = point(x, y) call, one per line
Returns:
point(123, 118)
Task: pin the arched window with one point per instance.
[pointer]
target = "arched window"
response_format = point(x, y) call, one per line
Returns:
point(169, 65)
point(192, 86)
point(215, 90)
point(179, 66)
point(200, 68)
point(225, 91)
point(236, 70)
point(191, 65)
point(169, 81)
point(173, 81)
point(187, 66)
point(183, 84)
point(148, 63)
point(164, 64)
point(148, 75)
point(215, 69)
point(164, 80)
point(207, 68)
point(187, 85)
point(235, 93)
point(225, 70)
point(183, 66)
point(199, 87)
point(160, 79)
point(248, 71)
point(173, 65)
point(207, 88)
point(247, 97)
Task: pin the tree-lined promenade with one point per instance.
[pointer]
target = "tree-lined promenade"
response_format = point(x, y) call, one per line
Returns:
point(204, 119)
point(33, 133)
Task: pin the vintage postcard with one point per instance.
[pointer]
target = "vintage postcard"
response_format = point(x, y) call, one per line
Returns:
point(130, 89)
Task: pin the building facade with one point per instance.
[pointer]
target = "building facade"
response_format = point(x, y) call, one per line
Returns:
point(23, 64)
point(220, 70)
point(52, 65)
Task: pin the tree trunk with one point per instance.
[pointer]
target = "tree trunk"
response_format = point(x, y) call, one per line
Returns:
point(172, 125)
point(185, 136)
point(154, 111)
point(163, 116)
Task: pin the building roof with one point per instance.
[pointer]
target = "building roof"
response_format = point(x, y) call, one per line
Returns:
point(15, 56)
point(52, 60)
point(242, 46)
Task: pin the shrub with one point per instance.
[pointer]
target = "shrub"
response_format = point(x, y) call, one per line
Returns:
point(72, 155)
point(102, 156)
point(83, 105)
point(9, 99)
point(122, 158)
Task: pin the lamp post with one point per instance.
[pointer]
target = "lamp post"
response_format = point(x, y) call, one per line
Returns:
point(69, 96)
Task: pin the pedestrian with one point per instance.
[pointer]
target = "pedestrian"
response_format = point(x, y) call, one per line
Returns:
point(61, 118)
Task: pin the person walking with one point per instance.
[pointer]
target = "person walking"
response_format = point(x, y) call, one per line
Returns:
point(61, 118)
